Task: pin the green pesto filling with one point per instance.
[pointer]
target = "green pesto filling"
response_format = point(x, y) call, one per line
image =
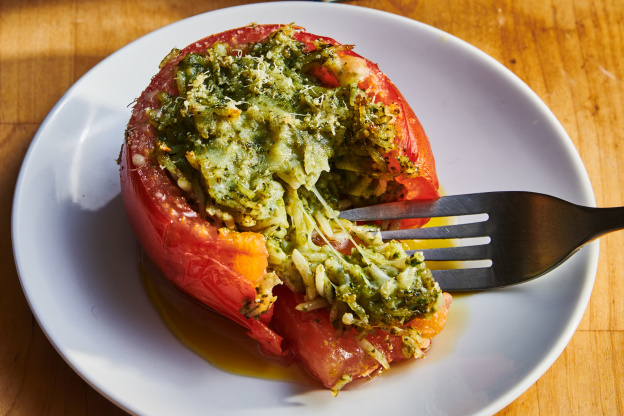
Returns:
point(258, 143)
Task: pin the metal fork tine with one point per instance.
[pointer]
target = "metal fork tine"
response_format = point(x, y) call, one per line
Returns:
point(445, 206)
point(478, 278)
point(475, 229)
point(477, 252)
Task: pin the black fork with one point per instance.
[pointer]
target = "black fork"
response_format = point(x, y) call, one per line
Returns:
point(529, 234)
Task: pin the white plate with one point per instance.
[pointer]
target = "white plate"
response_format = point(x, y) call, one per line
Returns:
point(77, 257)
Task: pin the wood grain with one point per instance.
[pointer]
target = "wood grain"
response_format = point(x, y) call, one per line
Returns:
point(569, 52)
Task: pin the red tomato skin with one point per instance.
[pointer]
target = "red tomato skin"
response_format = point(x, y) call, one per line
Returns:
point(192, 254)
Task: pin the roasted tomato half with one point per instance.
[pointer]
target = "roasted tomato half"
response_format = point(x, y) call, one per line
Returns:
point(217, 239)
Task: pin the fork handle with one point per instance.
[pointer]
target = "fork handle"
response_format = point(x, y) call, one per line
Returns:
point(605, 220)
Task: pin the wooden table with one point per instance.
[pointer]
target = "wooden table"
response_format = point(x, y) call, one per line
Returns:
point(570, 52)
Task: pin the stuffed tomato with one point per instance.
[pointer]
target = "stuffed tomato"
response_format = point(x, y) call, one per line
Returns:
point(237, 159)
